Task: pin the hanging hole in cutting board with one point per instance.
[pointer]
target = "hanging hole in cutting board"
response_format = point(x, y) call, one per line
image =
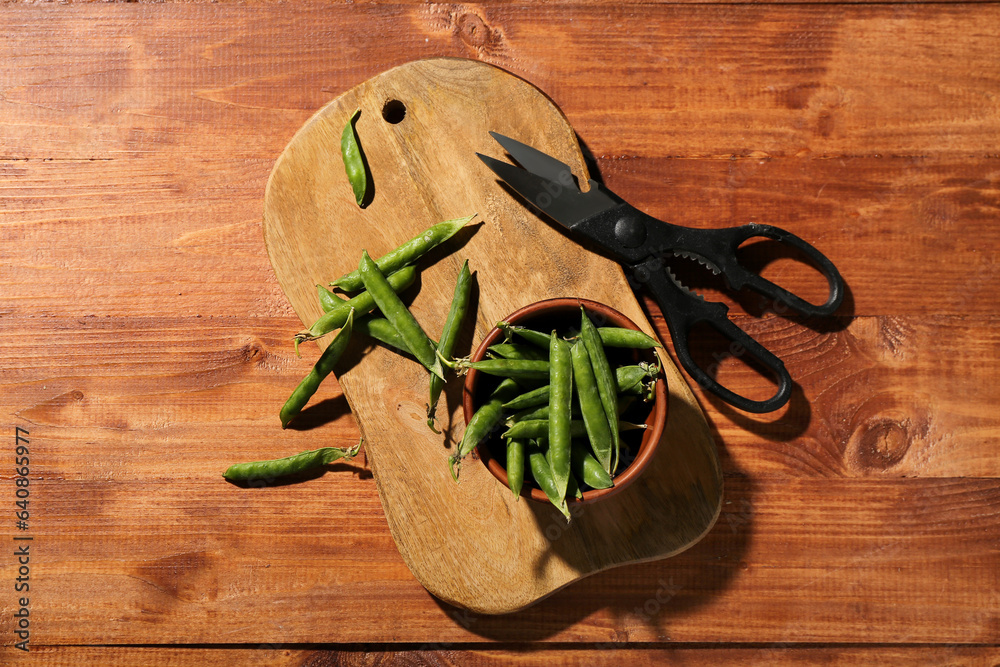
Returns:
point(394, 111)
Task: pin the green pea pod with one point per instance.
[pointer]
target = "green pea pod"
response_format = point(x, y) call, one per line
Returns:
point(630, 380)
point(515, 465)
point(354, 162)
point(406, 254)
point(573, 489)
point(637, 380)
point(267, 470)
point(588, 469)
point(363, 304)
point(452, 326)
point(516, 351)
point(560, 400)
point(542, 473)
point(525, 369)
point(539, 428)
point(327, 299)
point(396, 312)
point(591, 407)
point(621, 337)
point(607, 386)
point(535, 337)
point(529, 399)
point(381, 330)
point(378, 328)
point(483, 421)
point(539, 412)
point(323, 367)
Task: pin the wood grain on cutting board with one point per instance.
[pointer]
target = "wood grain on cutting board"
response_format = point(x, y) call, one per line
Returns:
point(472, 543)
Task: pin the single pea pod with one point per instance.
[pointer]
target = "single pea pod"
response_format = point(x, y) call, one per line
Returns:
point(396, 312)
point(630, 380)
point(622, 337)
point(539, 428)
point(381, 330)
point(323, 367)
point(515, 464)
point(588, 469)
point(523, 369)
point(516, 351)
point(529, 399)
point(452, 326)
point(290, 465)
point(573, 489)
point(560, 399)
point(637, 380)
point(607, 385)
point(542, 474)
point(354, 161)
point(327, 299)
point(362, 304)
point(406, 254)
point(537, 338)
point(487, 417)
point(539, 412)
point(591, 407)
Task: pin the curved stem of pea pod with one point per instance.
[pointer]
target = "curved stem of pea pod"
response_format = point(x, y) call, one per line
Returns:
point(460, 366)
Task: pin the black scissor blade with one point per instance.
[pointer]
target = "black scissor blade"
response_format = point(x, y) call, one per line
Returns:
point(566, 205)
point(537, 162)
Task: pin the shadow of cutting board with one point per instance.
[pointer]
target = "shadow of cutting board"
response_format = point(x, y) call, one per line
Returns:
point(471, 543)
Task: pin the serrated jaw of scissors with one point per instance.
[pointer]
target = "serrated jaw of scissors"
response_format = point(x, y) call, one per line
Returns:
point(707, 263)
point(681, 286)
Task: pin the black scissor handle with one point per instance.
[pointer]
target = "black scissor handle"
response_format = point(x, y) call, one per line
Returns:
point(682, 311)
point(722, 247)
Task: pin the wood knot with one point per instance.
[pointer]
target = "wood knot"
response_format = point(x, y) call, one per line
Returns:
point(883, 444)
point(253, 352)
point(474, 31)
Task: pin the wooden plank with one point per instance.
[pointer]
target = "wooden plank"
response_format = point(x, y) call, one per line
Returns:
point(264, 655)
point(597, 655)
point(886, 397)
point(157, 155)
point(187, 558)
point(197, 248)
point(699, 80)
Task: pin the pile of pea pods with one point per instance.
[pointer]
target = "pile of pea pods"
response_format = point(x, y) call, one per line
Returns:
point(375, 286)
point(565, 433)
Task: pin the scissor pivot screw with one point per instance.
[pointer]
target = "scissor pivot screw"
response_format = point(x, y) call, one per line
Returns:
point(630, 232)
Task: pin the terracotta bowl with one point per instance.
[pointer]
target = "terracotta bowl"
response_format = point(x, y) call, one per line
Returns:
point(563, 314)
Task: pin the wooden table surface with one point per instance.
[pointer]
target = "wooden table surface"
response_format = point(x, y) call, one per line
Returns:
point(145, 344)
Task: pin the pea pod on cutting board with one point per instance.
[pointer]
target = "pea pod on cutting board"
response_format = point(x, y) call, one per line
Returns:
point(407, 253)
point(323, 367)
point(399, 315)
point(449, 335)
point(309, 233)
point(363, 304)
point(354, 160)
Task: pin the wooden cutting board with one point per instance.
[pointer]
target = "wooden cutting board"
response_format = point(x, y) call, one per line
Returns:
point(471, 543)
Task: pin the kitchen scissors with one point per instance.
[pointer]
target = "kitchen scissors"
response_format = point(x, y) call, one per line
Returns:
point(640, 243)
